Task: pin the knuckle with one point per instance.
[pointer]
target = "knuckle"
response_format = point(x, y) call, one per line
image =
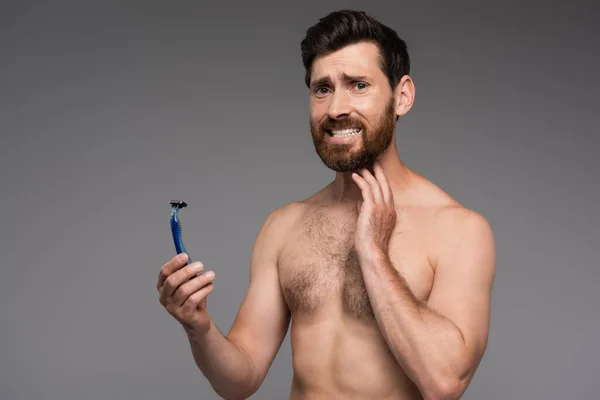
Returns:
point(170, 308)
point(164, 270)
point(161, 299)
point(208, 288)
point(200, 294)
point(191, 302)
point(180, 294)
point(196, 297)
point(170, 281)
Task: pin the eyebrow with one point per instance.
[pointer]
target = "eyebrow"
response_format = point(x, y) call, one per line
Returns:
point(343, 76)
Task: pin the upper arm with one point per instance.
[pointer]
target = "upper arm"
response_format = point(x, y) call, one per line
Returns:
point(263, 318)
point(463, 279)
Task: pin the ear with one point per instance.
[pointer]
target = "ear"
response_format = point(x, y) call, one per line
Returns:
point(404, 95)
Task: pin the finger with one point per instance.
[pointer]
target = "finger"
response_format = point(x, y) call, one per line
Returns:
point(386, 191)
point(375, 186)
point(178, 278)
point(187, 289)
point(171, 266)
point(196, 298)
point(364, 186)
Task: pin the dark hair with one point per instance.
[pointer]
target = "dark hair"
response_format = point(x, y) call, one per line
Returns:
point(342, 28)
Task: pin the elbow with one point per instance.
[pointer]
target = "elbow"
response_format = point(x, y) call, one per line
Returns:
point(445, 389)
point(236, 393)
point(238, 390)
point(447, 385)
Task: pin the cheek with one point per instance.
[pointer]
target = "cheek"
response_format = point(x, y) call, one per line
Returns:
point(369, 108)
point(365, 105)
point(317, 112)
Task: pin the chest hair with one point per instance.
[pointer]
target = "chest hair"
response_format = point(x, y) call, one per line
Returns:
point(320, 267)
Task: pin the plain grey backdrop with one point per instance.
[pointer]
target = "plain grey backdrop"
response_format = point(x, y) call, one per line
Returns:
point(110, 109)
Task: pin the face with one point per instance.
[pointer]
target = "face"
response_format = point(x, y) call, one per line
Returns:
point(352, 108)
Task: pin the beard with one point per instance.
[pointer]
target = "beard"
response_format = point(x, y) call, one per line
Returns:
point(373, 141)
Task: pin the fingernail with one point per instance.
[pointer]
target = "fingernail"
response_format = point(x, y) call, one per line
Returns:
point(210, 274)
point(181, 257)
point(197, 266)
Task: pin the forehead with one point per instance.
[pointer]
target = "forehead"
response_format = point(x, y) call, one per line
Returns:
point(355, 59)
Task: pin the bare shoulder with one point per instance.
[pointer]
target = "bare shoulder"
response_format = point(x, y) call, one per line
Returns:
point(454, 219)
point(461, 232)
point(287, 216)
point(280, 221)
point(455, 230)
point(283, 218)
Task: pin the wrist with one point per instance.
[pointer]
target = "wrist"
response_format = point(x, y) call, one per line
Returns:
point(196, 335)
point(371, 254)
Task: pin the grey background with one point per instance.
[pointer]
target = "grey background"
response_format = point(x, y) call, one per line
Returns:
point(110, 109)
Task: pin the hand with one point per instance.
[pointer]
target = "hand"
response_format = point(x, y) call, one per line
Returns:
point(184, 295)
point(377, 213)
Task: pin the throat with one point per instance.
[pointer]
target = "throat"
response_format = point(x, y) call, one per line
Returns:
point(344, 191)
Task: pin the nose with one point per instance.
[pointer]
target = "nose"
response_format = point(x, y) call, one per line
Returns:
point(339, 106)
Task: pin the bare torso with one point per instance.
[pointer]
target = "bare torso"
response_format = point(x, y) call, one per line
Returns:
point(338, 350)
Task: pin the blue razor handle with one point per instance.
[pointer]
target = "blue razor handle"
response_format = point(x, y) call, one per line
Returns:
point(176, 205)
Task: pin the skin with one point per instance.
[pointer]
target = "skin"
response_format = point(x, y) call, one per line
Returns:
point(385, 278)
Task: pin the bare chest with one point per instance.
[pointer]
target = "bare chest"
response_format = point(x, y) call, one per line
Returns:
point(320, 271)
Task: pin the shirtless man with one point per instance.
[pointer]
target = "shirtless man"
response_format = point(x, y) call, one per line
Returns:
point(386, 279)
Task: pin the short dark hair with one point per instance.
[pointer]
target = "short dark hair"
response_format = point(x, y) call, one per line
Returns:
point(342, 28)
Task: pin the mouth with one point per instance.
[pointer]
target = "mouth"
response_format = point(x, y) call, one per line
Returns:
point(342, 133)
point(343, 136)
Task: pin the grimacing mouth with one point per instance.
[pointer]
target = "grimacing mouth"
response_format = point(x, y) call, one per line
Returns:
point(340, 131)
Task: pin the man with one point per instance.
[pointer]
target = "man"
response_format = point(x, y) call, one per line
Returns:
point(386, 279)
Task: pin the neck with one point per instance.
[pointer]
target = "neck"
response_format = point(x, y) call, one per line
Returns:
point(344, 190)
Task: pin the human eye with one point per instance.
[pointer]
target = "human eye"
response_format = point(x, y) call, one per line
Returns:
point(321, 91)
point(361, 86)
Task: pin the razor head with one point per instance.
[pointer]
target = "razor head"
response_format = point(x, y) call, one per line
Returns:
point(178, 203)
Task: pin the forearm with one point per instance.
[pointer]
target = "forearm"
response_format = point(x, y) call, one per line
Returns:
point(429, 347)
point(228, 369)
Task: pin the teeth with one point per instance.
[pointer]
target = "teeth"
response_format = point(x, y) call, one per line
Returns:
point(345, 132)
